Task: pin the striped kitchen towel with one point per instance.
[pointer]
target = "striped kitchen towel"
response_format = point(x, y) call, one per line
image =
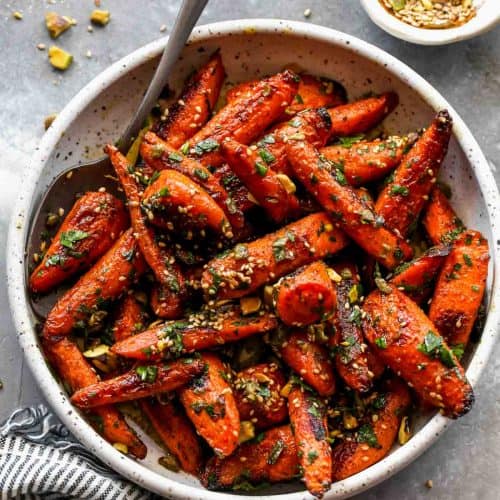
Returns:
point(39, 458)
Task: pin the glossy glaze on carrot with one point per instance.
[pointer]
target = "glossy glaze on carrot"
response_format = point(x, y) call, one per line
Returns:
point(308, 421)
point(107, 280)
point(91, 227)
point(407, 341)
point(460, 288)
point(195, 105)
point(402, 200)
point(310, 360)
point(270, 458)
point(306, 296)
point(346, 209)
point(129, 318)
point(210, 404)
point(199, 331)
point(248, 266)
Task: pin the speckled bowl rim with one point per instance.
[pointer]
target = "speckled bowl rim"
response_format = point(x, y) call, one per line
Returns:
point(22, 212)
point(395, 27)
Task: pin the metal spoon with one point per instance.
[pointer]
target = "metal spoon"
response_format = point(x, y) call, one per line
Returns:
point(96, 174)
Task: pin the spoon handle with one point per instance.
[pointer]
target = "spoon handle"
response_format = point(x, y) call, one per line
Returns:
point(187, 17)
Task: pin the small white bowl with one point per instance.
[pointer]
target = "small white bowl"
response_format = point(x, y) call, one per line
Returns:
point(486, 18)
point(250, 48)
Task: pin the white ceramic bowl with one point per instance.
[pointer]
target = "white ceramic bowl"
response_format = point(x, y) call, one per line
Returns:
point(488, 16)
point(250, 49)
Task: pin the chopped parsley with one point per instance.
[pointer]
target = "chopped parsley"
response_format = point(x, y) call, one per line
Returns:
point(147, 373)
point(266, 156)
point(347, 142)
point(201, 174)
point(275, 452)
point(366, 434)
point(206, 146)
point(177, 157)
point(260, 168)
point(280, 251)
point(69, 238)
point(381, 342)
point(397, 189)
point(433, 347)
point(312, 456)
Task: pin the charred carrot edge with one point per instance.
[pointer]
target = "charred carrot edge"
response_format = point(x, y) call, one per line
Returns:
point(160, 156)
point(246, 118)
point(312, 125)
point(308, 421)
point(88, 231)
point(190, 113)
point(347, 342)
point(311, 361)
point(176, 432)
point(460, 288)
point(315, 92)
point(248, 266)
point(267, 187)
point(272, 458)
point(416, 278)
point(344, 206)
point(407, 341)
point(195, 333)
point(360, 116)
point(365, 162)
point(77, 373)
point(169, 275)
point(351, 457)
point(402, 200)
point(306, 296)
point(257, 392)
point(210, 404)
point(439, 219)
point(109, 278)
point(177, 193)
point(138, 383)
point(129, 319)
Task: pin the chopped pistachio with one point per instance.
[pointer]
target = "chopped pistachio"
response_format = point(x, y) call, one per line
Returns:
point(286, 389)
point(247, 431)
point(333, 275)
point(59, 58)
point(287, 183)
point(57, 24)
point(97, 351)
point(268, 295)
point(169, 462)
point(100, 17)
point(122, 448)
point(47, 122)
point(404, 433)
point(350, 421)
point(17, 15)
point(250, 305)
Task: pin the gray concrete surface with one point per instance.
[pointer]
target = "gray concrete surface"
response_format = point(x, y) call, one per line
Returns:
point(464, 464)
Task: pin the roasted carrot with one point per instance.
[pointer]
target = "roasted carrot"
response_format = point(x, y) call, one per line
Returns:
point(141, 381)
point(347, 342)
point(249, 266)
point(402, 200)
point(176, 197)
point(308, 421)
point(360, 116)
point(109, 278)
point(312, 125)
point(240, 200)
point(272, 458)
point(160, 260)
point(92, 225)
point(188, 115)
point(439, 219)
point(245, 119)
point(199, 331)
point(77, 373)
point(374, 439)
point(257, 391)
point(306, 296)
point(365, 162)
point(209, 403)
point(129, 319)
point(345, 207)
point(408, 342)
point(161, 155)
point(416, 278)
point(251, 166)
point(176, 432)
point(311, 361)
point(314, 92)
point(460, 288)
